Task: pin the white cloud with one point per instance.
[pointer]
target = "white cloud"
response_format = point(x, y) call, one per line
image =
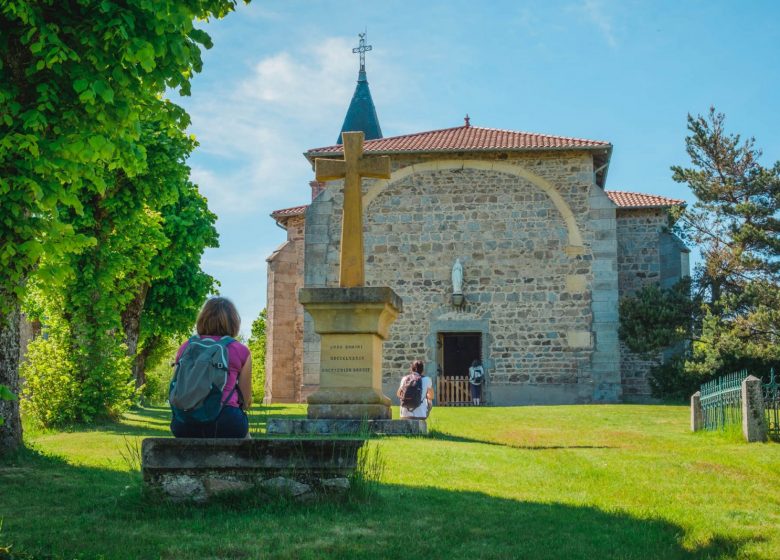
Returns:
point(597, 12)
point(305, 86)
point(252, 133)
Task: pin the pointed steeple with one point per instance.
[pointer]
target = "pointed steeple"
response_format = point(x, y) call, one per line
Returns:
point(361, 115)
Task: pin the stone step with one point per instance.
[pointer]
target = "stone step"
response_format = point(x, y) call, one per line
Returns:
point(283, 426)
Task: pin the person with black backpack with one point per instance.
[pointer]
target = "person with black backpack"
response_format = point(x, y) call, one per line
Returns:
point(212, 381)
point(416, 393)
point(476, 379)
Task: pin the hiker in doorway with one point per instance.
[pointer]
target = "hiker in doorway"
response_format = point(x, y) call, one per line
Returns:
point(476, 379)
point(416, 393)
point(212, 381)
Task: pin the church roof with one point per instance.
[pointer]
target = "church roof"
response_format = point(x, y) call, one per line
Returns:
point(361, 115)
point(281, 215)
point(467, 138)
point(625, 199)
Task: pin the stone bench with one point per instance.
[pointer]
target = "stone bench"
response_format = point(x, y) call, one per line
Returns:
point(197, 469)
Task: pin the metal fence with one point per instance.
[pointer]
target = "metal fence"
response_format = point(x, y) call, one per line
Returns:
point(772, 405)
point(721, 401)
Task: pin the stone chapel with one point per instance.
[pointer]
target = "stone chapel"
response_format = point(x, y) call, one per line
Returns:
point(546, 254)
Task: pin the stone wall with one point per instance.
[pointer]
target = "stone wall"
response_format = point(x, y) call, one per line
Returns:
point(639, 261)
point(284, 331)
point(538, 245)
point(647, 254)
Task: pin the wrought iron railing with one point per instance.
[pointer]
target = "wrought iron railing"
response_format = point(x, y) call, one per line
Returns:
point(721, 401)
point(772, 405)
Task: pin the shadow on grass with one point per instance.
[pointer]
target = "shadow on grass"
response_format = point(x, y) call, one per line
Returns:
point(154, 421)
point(121, 521)
point(147, 421)
point(444, 436)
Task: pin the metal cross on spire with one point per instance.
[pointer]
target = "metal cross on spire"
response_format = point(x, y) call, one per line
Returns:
point(362, 49)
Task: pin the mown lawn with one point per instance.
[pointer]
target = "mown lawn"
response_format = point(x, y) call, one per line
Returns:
point(590, 482)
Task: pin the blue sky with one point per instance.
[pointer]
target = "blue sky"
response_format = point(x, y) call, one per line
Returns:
point(281, 74)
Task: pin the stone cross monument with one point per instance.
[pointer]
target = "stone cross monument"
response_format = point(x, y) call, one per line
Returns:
point(352, 168)
point(352, 320)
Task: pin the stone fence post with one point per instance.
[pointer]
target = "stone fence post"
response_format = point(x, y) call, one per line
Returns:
point(753, 419)
point(697, 418)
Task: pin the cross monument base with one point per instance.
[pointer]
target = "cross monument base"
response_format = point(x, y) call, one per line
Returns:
point(352, 324)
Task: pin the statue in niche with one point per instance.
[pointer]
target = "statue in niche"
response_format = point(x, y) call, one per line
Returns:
point(457, 277)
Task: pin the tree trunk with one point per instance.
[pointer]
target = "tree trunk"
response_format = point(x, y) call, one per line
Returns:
point(11, 430)
point(139, 364)
point(131, 322)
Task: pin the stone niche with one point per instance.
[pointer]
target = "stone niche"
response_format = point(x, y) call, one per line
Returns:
point(197, 469)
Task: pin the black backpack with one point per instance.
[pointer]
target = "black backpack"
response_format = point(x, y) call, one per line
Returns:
point(479, 376)
point(411, 391)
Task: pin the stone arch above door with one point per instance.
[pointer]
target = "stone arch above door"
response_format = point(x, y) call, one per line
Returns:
point(575, 243)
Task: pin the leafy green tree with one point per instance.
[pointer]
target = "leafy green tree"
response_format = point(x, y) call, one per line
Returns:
point(75, 79)
point(170, 290)
point(735, 223)
point(146, 228)
point(257, 345)
point(173, 299)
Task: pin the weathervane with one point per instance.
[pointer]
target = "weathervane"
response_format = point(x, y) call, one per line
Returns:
point(362, 49)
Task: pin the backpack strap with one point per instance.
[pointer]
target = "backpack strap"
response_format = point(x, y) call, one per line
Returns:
point(226, 341)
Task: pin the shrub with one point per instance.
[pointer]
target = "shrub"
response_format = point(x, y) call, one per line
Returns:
point(158, 379)
point(673, 380)
point(57, 391)
point(50, 393)
point(256, 344)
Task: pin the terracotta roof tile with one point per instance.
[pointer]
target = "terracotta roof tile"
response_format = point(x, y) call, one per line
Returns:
point(286, 212)
point(468, 138)
point(639, 200)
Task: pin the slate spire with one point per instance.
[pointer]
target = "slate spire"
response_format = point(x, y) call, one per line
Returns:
point(361, 115)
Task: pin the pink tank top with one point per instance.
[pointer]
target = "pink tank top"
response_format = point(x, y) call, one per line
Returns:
point(237, 357)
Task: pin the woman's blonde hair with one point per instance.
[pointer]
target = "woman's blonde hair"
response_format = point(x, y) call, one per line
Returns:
point(218, 317)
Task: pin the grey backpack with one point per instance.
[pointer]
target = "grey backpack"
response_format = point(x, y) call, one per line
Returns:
point(200, 376)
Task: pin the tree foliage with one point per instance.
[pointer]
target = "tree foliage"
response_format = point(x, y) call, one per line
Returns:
point(80, 102)
point(6, 395)
point(735, 223)
point(176, 294)
point(147, 228)
point(257, 346)
point(76, 80)
point(655, 318)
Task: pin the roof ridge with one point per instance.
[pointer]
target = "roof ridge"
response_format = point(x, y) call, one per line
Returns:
point(537, 134)
point(470, 138)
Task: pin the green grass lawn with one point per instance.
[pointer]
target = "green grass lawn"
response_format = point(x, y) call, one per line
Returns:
point(590, 482)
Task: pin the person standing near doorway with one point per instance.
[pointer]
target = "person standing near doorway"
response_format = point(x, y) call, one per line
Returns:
point(476, 379)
